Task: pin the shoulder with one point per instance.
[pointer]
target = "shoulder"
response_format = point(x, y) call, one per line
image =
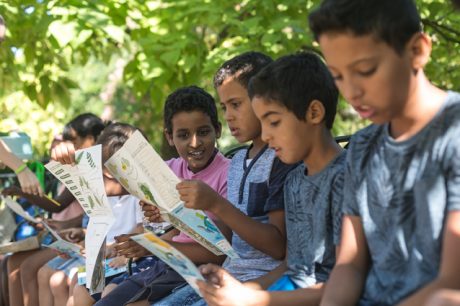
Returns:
point(365, 137)
point(239, 157)
point(362, 145)
point(450, 116)
point(221, 161)
point(295, 174)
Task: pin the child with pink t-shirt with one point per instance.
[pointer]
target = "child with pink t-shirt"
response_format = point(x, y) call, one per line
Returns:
point(190, 125)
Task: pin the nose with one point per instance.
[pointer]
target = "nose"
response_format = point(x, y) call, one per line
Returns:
point(265, 135)
point(228, 115)
point(195, 141)
point(352, 91)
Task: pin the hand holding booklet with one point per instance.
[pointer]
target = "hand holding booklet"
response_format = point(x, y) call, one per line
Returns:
point(141, 171)
point(84, 180)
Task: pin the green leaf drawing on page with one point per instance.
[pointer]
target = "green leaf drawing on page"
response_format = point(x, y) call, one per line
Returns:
point(78, 158)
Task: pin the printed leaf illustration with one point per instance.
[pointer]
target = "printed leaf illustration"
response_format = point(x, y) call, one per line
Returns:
point(91, 162)
point(91, 202)
point(78, 158)
point(146, 191)
point(98, 202)
point(124, 164)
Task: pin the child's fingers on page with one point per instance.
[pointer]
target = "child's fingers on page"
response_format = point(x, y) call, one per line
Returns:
point(65, 153)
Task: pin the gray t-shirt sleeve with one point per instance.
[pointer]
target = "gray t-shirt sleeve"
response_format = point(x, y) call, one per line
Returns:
point(350, 202)
point(336, 209)
point(453, 176)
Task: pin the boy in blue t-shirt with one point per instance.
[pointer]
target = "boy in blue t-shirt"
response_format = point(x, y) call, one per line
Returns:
point(255, 206)
point(296, 100)
point(401, 227)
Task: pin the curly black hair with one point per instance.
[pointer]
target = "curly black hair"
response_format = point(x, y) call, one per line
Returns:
point(241, 67)
point(188, 99)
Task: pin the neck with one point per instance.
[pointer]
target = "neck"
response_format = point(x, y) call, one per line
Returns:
point(257, 145)
point(423, 103)
point(323, 153)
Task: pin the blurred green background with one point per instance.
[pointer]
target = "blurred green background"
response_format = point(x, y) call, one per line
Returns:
point(120, 58)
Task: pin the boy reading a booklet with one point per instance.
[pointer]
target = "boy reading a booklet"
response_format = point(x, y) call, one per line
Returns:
point(401, 224)
point(295, 98)
point(192, 127)
point(126, 212)
point(255, 206)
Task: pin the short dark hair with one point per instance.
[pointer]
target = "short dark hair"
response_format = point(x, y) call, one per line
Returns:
point(295, 81)
point(114, 137)
point(189, 99)
point(394, 22)
point(84, 125)
point(242, 67)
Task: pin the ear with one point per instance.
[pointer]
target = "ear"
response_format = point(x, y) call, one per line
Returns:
point(219, 130)
point(420, 50)
point(168, 137)
point(315, 112)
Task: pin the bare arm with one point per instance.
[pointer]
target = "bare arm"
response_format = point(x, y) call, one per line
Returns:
point(269, 238)
point(263, 282)
point(27, 179)
point(449, 272)
point(352, 264)
point(64, 199)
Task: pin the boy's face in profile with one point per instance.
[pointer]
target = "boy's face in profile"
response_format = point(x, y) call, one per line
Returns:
point(374, 79)
point(194, 137)
point(240, 117)
point(283, 131)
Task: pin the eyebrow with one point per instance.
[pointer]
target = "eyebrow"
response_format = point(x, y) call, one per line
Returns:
point(207, 126)
point(269, 113)
point(231, 100)
point(366, 59)
point(356, 62)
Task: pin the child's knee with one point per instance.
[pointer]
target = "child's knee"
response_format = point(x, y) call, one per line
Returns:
point(58, 281)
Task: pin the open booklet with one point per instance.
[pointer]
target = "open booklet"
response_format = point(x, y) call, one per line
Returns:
point(141, 171)
point(59, 244)
point(171, 256)
point(84, 180)
point(109, 271)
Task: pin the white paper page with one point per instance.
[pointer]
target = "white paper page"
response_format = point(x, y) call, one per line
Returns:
point(124, 168)
point(170, 255)
point(96, 233)
point(144, 174)
point(63, 246)
point(17, 208)
point(139, 164)
point(84, 180)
